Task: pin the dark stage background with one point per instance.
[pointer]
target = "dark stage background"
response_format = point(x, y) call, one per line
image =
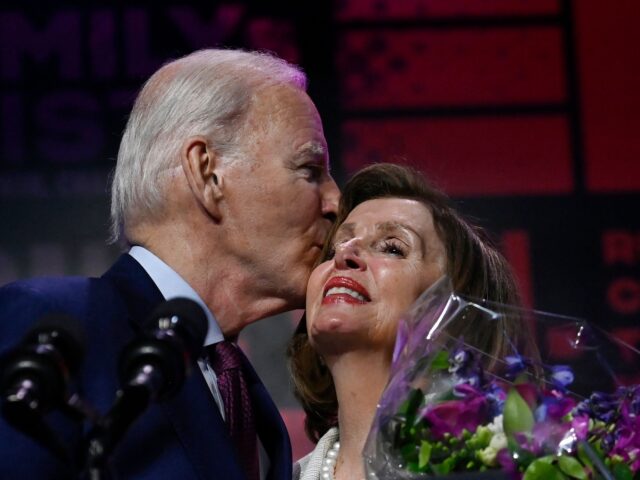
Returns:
point(525, 111)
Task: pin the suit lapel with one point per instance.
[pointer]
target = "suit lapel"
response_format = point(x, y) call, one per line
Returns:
point(197, 421)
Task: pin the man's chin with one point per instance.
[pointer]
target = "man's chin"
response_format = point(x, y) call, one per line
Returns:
point(296, 295)
point(293, 289)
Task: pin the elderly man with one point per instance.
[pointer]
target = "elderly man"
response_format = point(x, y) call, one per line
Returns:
point(223, 195)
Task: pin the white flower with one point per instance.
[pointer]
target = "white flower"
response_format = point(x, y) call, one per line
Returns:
point(496, 425)
point(498, 442)
point(488, 455)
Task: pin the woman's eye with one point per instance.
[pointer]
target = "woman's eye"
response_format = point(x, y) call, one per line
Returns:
point(393, 248)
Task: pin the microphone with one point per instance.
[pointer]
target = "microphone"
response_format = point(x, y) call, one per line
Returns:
point(35, 377)
point(151, 368)
point(161, 357)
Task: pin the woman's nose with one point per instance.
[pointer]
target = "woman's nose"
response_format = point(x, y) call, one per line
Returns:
point(348, 256)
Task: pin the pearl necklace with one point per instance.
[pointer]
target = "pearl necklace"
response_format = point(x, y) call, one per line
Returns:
point(329, 462)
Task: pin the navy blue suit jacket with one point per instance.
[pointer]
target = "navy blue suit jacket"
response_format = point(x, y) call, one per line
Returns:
point(183, 438)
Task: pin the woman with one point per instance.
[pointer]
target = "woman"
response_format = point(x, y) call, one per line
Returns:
point(395, 235)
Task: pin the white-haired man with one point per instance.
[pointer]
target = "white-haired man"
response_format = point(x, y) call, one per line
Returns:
point(223, 195)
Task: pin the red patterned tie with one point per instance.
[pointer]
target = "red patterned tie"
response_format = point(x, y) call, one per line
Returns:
point(226, 360)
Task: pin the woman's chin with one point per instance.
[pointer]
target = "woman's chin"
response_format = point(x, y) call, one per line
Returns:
point(331, 333)
point(332, 323)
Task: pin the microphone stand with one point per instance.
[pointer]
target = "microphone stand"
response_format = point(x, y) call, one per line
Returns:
point(20, 410)
point(131, 402)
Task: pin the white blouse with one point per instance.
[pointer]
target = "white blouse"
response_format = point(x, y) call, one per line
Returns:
point(309, 467)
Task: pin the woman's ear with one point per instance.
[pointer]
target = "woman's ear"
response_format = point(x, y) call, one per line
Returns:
point(202, 170)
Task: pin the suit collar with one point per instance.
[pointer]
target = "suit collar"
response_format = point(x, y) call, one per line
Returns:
point(172, 285)
point(137, 289)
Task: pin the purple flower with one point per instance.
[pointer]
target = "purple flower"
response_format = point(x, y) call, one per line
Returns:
point(555, 405)
point(466, 390)
point(580, 426)
point(460, 361)
point(634, 395)
point(516, 364)
point(454, 416)
point(547, 437)
point(627, 445)
point(608, 441)
point(495, 396)
point(465, 367)
point(561, 376)
point(603, 406)
point(507, 462)
point(626, 436)
point(630, 398)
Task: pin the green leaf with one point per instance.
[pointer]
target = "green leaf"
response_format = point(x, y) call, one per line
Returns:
point(440, 361)
point(408, 452)
point(542, 469)
point(425, 454)
point(547, 459)
point(480, 439)
point(522, 457)
point(445, 467)
point(517, 414)
point(572, 467)
point(584, 457)
point(412, 402)
point(622, 471)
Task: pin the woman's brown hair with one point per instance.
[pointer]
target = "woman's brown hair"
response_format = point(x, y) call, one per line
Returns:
point(474, 265)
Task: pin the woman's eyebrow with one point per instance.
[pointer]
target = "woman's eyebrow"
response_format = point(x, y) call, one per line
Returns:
point(391, 226)
point(346, 229)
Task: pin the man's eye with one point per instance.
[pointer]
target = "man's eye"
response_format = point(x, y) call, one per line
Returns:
point(312, 172)
point(330, 253)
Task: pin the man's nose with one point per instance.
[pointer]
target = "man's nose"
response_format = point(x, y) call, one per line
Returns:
point(348, 256)
point(330, 198)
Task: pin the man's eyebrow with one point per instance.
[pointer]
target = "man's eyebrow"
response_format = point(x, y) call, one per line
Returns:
point(312, 148)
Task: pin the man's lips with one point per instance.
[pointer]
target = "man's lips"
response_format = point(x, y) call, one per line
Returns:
point(344, 289)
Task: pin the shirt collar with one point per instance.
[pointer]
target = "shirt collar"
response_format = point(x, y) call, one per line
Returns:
point(172, 285)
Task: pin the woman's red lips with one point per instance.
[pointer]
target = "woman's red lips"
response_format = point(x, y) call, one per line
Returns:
point(344, 289)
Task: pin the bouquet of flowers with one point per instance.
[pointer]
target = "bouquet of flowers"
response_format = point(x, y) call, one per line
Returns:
point(451, 407)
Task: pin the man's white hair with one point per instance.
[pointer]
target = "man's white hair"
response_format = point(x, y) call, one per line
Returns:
point(206, 93)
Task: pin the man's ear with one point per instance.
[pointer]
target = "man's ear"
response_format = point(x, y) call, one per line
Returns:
point(201, 167)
